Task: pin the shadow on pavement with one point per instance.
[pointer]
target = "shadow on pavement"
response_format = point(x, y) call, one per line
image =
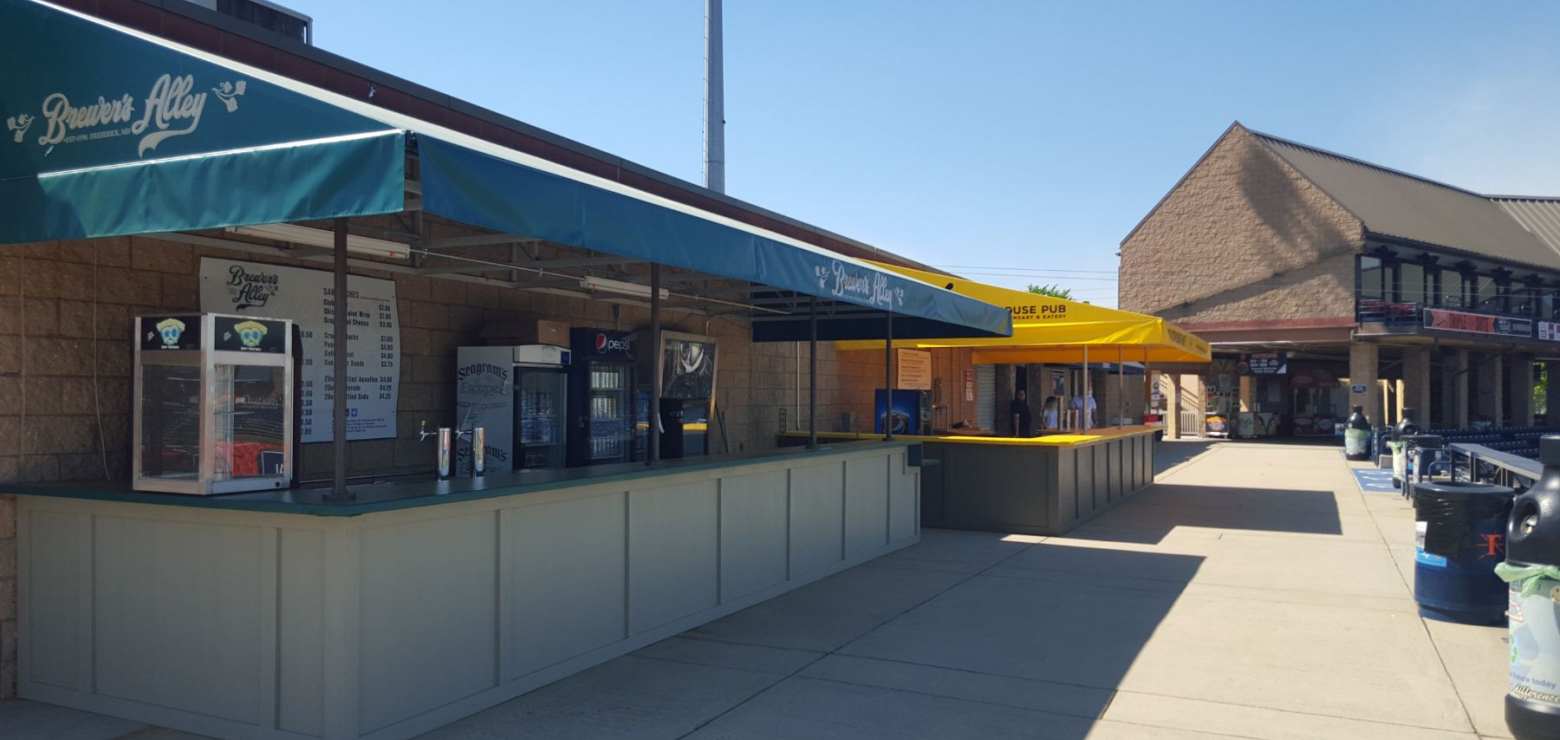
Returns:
point(1166, 506)
point(1170, 453)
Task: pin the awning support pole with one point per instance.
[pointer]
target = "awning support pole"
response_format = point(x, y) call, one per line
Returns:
point(812, 376)
point(1121, 386)
point(1088, 394)
point(888, 378)
point(653, 425)
point(338, 359)
point(1148, 394)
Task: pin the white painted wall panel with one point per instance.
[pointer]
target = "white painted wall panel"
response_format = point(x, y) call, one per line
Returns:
point(177, 615)
point(817, 517)
point(429, 603)
point(56, 614)
point(300, 627)
point(674, 552)
point(753, 532)
point(866, 505)
point(903, 504)
point(566, 570)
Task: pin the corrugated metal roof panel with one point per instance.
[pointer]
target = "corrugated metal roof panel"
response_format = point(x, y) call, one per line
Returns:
point(1396, 204)
point(1540, 216)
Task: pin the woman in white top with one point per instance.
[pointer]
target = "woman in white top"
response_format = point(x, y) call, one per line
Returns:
point(1050, 415)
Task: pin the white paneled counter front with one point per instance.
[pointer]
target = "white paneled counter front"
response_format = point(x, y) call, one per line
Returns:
point(246, 618)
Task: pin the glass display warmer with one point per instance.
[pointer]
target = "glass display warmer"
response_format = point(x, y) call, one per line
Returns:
point(213, 404)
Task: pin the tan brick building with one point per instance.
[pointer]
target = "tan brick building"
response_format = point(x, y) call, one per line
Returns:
point(1364, 285)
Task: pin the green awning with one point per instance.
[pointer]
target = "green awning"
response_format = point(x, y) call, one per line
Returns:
point(113, 132)
point(110, 132)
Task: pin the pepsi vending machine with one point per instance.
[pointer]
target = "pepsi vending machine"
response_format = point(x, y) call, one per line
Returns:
point(910, 413)
point(601, 397)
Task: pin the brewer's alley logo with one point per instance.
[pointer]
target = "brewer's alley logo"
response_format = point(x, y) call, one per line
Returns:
point(250, 289)
point(172, 108)
point(871, 287)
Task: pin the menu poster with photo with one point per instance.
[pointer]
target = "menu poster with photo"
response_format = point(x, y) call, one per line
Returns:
point(307, 298)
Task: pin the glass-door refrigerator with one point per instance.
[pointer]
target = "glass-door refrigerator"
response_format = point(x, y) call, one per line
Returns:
point(541, 402)
point(602, 388)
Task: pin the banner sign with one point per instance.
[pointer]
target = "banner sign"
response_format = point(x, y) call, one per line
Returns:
point(687, 367)
point(1548, 331)
point(307, 297)
point(1263, 363)
point(94, 96)
point(1473, 323)
point(913, 369)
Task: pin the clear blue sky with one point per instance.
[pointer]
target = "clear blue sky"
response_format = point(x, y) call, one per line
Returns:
point(1028, 135)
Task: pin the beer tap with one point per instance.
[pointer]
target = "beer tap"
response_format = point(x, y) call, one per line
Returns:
point(444, 444)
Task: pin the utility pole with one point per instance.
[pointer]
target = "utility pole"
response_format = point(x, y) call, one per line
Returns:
point(714, 100)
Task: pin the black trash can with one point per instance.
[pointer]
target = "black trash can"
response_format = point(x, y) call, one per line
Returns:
point(1460, 535)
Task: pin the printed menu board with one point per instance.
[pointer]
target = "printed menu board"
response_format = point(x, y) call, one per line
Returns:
point(308, 298)
point(914, 370)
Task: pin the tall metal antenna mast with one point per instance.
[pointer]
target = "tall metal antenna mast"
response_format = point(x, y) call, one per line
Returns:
point(714, 100)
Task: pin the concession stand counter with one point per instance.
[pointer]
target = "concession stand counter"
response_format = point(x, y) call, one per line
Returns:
point(1051, 483)
point(388, 609)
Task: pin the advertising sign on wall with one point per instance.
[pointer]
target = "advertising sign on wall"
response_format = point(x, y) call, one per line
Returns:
point(1548, 331)
point(913, 369)
point(1473, 323)
point(307, 297)
point(687, 367)
point(1263, 363)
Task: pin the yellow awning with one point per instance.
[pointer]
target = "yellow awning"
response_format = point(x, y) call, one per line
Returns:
point(1053, 330)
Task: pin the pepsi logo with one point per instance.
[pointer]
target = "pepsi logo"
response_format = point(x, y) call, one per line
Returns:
point(608, 345)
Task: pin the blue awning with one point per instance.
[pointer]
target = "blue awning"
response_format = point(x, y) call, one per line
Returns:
point(115, 132)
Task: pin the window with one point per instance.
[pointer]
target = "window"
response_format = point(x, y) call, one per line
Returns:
point(1371, 277)
point(1411, 282)
point(1488, 296)
point(1523, 299)
point(986, 396)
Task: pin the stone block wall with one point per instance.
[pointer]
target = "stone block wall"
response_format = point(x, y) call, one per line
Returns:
point(1244, 237)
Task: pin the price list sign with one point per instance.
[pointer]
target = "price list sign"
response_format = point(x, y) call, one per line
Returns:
point(308, 298)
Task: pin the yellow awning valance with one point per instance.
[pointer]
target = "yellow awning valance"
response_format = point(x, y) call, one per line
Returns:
point(1054, 330)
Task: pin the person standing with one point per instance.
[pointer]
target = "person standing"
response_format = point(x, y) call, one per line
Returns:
point(1023, 421)
point(1086, 408)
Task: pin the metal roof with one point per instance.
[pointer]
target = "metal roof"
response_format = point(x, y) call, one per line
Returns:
point(1396, 204)
point(1540, 216)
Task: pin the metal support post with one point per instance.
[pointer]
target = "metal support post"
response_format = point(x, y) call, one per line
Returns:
point(653, 429)
point(812, 376)
point(888, 378)
point(338, 359)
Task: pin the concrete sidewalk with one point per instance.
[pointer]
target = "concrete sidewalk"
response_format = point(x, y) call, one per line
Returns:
point(1254, 592)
